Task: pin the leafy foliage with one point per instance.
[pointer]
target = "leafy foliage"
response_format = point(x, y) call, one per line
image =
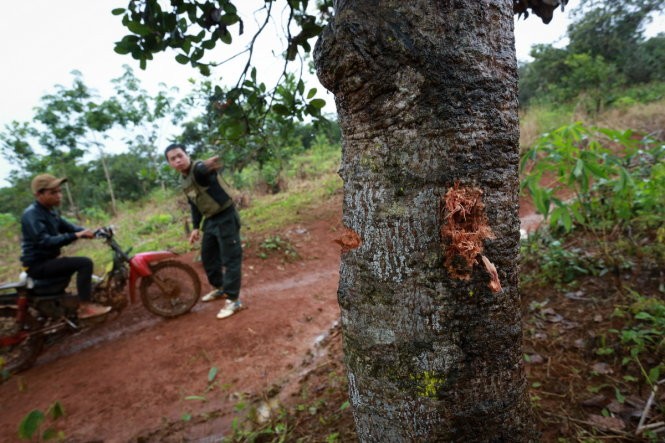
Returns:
point(607, 50)
point(195, 28)
point(73, 123)
point(242, 128)
point(33, 423)
point(600, 177)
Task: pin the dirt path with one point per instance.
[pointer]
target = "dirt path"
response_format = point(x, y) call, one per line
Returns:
point(133, 373)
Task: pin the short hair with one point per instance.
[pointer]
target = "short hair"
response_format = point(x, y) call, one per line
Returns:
point(173, 146)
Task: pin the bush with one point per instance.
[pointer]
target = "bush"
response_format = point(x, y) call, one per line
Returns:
point(602, 178)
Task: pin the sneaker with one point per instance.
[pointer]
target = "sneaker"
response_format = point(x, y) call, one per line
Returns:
point(88, 310)
point(215, 294)
point(231, 307)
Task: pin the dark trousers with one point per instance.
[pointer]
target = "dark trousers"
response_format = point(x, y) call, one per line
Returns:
point(221, 252)
point(66, 267)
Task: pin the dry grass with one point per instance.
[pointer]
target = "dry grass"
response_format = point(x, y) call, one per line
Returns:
point(643, 118)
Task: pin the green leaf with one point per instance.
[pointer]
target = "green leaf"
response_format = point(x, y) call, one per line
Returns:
point(229, 19)
point(186, 417)
point(654, 374)
point(55, 411)
point(311, 93)
point(619, 396)
point(566, 220)
point(30, 424)
point(139, 28)
point(318, 103)
point(212, 374)
point(345, 405)
point(197, 54)
point(182, 59)
point(121, 49)
point(196, 397)
point(118, 11)
point(643, 316)
point(208, 44)
point(280, 109)
point(235, 130)
point(226, 38)
point(204, 69)
point(595, 169)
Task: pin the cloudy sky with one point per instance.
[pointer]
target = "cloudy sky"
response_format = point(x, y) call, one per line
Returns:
point(42, 41)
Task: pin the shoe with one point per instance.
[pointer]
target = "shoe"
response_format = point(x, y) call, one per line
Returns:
point(231, 307)
point(215, 294)
point(88, 310)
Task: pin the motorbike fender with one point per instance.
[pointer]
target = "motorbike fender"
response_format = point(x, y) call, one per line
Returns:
point(140, 267)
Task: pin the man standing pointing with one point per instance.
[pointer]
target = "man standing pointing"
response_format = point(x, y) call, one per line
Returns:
point(210, 203)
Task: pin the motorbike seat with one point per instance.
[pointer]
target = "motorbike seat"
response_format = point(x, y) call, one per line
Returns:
point(13, 285)
point(46, 286)
point(21, 283)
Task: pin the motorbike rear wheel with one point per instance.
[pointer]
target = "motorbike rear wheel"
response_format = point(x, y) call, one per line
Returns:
point(18, 357)
point(172, 289)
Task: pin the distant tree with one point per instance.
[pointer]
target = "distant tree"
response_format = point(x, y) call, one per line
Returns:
point(74, 122)
point(652, 59)
point(544, 75)
point(614, 29)
point(592, 76)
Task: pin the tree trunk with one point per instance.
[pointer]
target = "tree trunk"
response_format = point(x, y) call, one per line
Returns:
point(72, 206)
point(426, 94)
point(107, 174)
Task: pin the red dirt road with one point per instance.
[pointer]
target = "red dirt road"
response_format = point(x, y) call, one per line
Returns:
point(132, 374)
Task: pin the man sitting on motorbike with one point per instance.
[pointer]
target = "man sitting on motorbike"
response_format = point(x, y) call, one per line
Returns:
point(45, 233)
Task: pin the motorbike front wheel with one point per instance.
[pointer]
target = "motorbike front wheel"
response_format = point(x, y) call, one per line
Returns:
point(19, 356)
point(172, 289)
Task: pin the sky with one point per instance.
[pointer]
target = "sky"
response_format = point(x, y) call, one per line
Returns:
point(43, 41)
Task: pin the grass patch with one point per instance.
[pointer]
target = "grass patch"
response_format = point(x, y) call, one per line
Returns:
point(272, 212)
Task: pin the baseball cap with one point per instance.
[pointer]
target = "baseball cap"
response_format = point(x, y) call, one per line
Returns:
point(46, 181)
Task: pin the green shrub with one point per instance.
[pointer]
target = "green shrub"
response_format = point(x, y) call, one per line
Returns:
point(156, 223)
point(602, 177)
point(643, 335)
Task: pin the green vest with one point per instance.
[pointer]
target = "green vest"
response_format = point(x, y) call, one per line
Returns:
point(198, 194)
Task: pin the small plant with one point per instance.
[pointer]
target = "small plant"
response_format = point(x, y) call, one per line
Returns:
point(155, 223)
point(595, 177)
point(212, 383)
point(32, 425)
point(548, 261)
point(276, 244)
point(643, 336)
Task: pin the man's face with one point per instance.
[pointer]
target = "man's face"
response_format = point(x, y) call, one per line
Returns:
point(178, 160)
point(50, 197)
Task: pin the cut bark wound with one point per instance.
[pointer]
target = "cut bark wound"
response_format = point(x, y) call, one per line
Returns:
point(348, 240)
point(463, 231)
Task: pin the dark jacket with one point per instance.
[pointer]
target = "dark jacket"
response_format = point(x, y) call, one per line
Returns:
point(210, 183)
point(44, 234)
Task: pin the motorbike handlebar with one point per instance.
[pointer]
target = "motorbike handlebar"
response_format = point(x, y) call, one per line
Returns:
point(104, 232)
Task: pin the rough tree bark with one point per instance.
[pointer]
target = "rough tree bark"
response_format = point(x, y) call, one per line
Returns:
point(426, 92)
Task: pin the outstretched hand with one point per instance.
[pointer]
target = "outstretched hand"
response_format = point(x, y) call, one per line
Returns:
point(212, 164)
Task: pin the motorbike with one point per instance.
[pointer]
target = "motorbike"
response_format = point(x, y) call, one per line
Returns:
point(33, 311)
